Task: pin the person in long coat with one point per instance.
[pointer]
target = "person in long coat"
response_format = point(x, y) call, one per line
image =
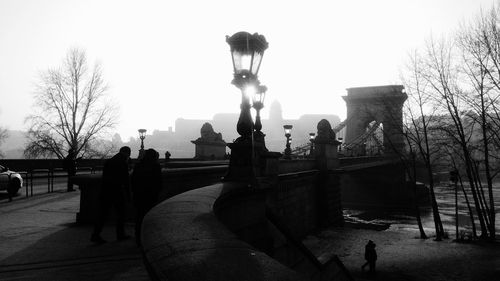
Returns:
point(146, 186)
point(115, 191)
point(370, 256)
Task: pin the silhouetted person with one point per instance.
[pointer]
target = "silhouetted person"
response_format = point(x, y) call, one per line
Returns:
point(370, 256)
point(146, 186)
point(114, 191)
point(69, 165)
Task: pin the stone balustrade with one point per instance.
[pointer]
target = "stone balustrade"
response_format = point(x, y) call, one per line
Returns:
point(183, 239)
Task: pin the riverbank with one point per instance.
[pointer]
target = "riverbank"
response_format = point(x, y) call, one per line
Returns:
point(403, 256)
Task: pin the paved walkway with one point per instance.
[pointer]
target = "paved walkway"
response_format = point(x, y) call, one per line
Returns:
point(39, 240)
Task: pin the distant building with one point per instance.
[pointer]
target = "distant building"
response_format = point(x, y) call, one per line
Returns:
point(188, 129)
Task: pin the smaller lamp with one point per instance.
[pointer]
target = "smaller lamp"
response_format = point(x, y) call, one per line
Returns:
point(142, 136)
point(258, 97)
point(288, 134)
point(258, 103)
point(288, 130)
point(311, 139)
point(142, 133)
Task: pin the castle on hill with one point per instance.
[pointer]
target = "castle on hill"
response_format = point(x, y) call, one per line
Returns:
point(178, 142)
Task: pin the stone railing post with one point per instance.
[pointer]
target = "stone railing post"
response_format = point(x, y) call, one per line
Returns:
point(326, 147)
point(210, 146)
point(327, 160)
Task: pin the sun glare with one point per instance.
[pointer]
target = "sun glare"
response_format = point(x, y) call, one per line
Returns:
point(250, 91)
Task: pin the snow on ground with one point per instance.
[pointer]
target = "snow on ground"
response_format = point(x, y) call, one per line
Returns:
point(403, 256)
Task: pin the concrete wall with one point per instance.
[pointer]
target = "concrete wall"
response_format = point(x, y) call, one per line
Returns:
point(175, 181)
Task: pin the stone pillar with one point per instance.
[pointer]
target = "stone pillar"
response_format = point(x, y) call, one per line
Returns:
point(326, 155)
point(383, 104)
point(326, 147)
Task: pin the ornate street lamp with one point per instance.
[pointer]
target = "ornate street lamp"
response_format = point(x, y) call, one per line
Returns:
point(258, 104)
point(311, 139)
point(247, 51)
point(288, 134)
point(142, 136)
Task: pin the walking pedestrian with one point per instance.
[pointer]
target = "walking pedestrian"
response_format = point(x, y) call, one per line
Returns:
point(115, 190)
point(146, 186)
point(370, 256)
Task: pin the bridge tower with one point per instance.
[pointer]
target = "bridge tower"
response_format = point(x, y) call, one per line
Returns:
point(382, 104)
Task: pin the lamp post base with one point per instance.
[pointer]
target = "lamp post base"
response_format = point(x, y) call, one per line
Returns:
point(241, 162)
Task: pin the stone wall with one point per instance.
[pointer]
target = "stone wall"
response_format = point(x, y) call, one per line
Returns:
point(295, 200)
point(175, 181)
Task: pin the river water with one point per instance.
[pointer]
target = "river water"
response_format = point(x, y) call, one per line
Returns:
point(445, 196)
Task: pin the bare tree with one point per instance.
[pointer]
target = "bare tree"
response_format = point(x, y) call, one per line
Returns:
point(479, 42)
point(419, 116)
point(442, 73)
point(71, 109)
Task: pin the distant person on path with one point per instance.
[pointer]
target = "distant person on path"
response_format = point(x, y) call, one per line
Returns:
point(370, 256)
point(146, 186)
point(69, 165)
point(114, 191)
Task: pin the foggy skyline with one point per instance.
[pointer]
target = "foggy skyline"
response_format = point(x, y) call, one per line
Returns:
point(178, 142)
point(165, 60)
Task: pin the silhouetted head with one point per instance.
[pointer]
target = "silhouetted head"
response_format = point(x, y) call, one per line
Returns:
point(125, 150)
point(150, 156)
point(370, 242)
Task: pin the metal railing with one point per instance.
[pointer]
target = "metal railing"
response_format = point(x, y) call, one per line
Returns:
point(37, 177)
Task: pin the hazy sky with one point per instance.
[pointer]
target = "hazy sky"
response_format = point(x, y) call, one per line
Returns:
point(168, 59)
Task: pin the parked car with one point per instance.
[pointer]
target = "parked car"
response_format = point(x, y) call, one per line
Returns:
point(10, 180)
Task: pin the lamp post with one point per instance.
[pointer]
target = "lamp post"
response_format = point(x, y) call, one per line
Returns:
point(311, 139)
point(258, 104)
point(142, 136)
point(340, 144)
point(288, 134)
point(247, 51)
